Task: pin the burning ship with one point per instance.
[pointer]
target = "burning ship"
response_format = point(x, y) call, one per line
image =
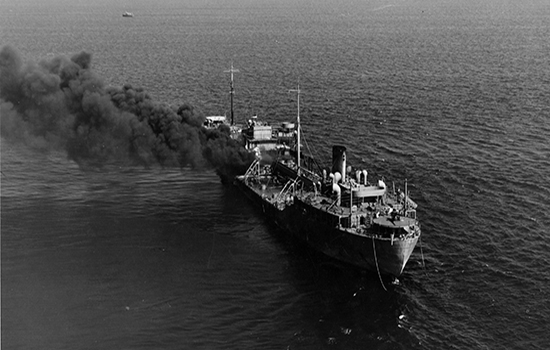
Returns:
point(337, 212)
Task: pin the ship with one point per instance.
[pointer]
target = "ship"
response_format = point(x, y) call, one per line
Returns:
point(127, 14)
point(336, 211)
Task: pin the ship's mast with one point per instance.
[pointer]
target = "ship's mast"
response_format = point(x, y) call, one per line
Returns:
point(405, 205)
point(232, 89)
point(297, 91)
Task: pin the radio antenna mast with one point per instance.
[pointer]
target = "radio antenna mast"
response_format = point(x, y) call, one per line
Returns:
point(297, 91)
point(232, 89)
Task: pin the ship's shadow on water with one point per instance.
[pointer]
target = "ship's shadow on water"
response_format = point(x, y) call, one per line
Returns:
point(340, 304)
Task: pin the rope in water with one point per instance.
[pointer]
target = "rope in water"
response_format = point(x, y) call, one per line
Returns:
point(422, 252)
point(376, 261)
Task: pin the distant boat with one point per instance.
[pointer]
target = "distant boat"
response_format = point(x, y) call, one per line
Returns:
point(127, 14)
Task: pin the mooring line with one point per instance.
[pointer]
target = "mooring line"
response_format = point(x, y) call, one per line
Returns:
point(422, 253)
point(376, 261)
point(211, 251)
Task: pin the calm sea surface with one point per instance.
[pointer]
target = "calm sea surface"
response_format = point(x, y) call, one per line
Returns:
point(454, 96)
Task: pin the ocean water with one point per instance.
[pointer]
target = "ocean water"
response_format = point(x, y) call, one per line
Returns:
point(451, 95)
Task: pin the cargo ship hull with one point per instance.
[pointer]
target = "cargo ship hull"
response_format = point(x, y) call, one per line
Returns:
point(372, 252)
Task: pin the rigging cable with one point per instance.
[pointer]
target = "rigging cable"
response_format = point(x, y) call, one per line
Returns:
point(310, 152)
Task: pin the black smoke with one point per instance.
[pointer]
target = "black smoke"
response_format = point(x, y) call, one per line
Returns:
point(61, 104)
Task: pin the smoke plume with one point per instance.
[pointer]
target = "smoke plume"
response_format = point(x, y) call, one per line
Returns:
point(61, 104)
